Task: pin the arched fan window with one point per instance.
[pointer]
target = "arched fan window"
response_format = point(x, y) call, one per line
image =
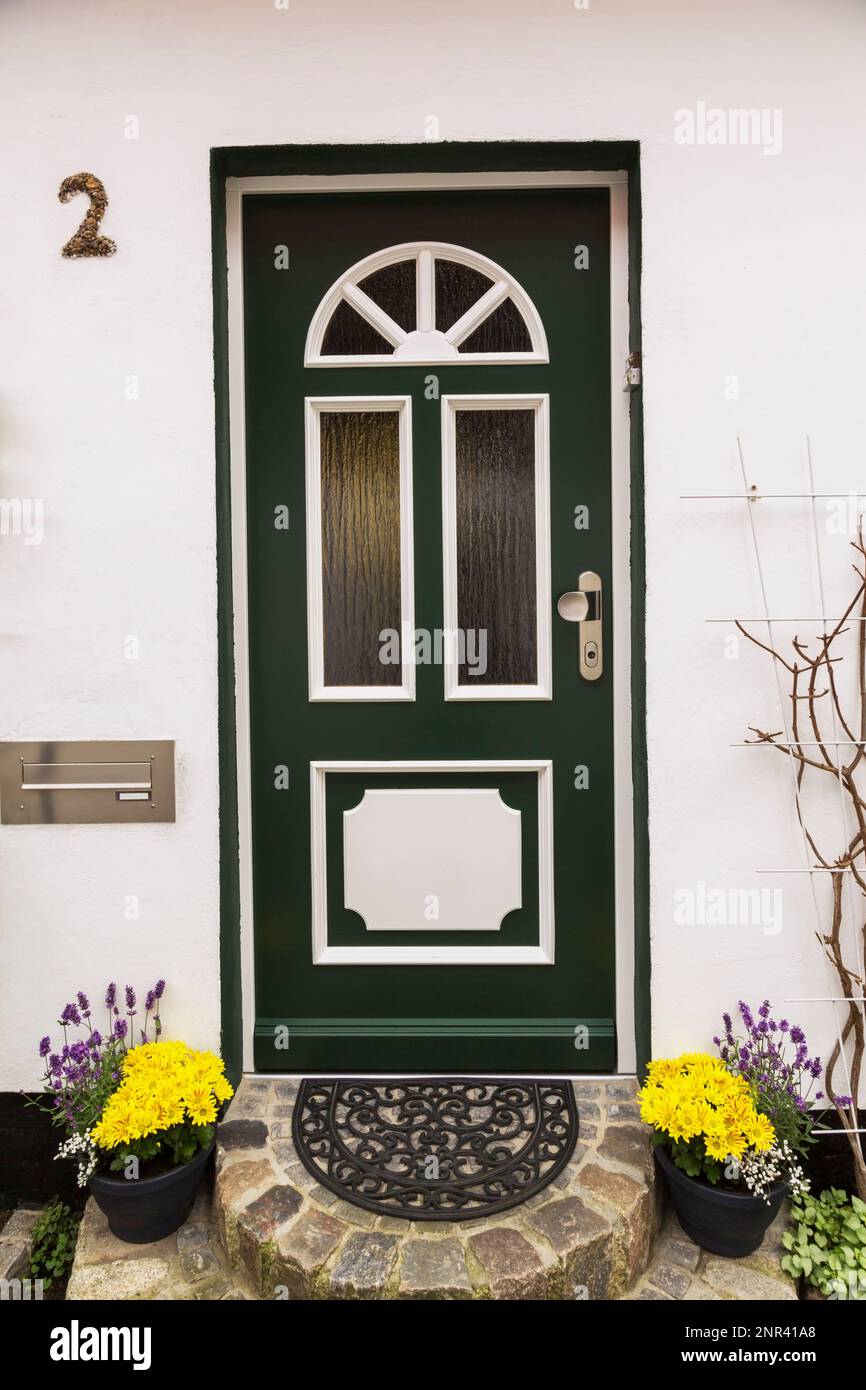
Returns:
point(425, 303)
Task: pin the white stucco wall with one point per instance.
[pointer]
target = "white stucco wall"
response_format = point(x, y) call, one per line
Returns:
point(752, 266)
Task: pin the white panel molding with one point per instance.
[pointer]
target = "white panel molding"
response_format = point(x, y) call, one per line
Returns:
point(540, 954)
point(543, 688)
point(314, 406)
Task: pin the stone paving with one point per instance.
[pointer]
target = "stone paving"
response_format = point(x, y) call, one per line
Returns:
point(186, 1265)
point(265, 1229)
point(682, 1270)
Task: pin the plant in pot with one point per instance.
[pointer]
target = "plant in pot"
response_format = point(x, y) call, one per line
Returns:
point(140, 1119)
point(725, 1171)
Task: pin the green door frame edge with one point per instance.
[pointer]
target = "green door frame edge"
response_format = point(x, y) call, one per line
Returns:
point(443, 156)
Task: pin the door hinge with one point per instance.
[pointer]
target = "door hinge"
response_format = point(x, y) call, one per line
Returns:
point(632, 372)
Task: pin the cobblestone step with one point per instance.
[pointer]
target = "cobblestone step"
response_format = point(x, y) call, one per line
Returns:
point(587, 1235)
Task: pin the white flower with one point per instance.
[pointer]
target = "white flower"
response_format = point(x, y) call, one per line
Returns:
point(82, 1146)
point(764, 1171)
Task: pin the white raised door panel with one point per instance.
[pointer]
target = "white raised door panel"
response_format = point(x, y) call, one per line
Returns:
point(432, 859)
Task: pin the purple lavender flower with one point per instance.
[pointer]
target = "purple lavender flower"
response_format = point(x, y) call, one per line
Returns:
point(45, 1047)
point(843, 1102)
point(111, 995)
point(70, 1015)
point(149, 1000)
point(83, 1004)
point(130, 1000)
point(780, 1076)
point(121, 1028)
point(159, 988)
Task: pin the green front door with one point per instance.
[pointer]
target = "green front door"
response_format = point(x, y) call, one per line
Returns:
point(428, 470)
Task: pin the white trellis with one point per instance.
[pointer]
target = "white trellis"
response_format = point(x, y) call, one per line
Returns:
point(750, 495)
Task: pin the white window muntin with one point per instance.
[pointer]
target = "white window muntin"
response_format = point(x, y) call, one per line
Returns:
point(427, 346)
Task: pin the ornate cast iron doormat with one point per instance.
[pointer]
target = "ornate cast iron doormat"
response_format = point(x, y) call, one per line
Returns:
point(435, 1150)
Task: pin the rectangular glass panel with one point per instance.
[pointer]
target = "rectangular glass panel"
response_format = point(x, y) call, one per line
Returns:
point(360, 494)
point(496, 545)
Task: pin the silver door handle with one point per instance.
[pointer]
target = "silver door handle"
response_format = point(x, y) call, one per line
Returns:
point(583, 606)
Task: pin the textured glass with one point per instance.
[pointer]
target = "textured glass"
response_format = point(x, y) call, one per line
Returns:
point(496, 543)
point(502, 331)
point(360, 463)
point(393, 289)
point(349, 335)
point(458, 287)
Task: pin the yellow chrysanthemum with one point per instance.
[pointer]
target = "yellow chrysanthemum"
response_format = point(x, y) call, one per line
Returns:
point(760, 1134)
point(164, 1085)
point(716, 1145)
point(695, 1097)
point(200, 1105)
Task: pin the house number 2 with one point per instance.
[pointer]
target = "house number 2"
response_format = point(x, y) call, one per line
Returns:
point(87, 241)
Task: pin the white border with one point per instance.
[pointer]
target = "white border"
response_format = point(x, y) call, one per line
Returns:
point(424, 253)
point(313, 407)
point(539, 404)
point(542, 954)
point(617, 182)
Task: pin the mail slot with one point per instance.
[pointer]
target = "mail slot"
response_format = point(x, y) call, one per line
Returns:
point(70, 777)
point(68, 782)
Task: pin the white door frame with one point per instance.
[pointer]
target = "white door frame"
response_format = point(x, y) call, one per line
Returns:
point(617, 182)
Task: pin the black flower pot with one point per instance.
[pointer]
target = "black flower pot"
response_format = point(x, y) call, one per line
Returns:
point(719, 1219)
point(140, 1210)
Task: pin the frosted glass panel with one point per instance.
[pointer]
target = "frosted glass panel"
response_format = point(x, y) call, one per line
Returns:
point(393, 289)
point(350, 335)
point(502, 331)
point(360, 479)
point(458, 287)
point(496, 541)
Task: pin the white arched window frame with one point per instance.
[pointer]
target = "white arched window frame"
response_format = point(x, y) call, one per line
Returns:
point(426, 345)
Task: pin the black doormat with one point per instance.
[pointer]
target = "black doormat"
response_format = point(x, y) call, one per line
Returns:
point(435, 1150)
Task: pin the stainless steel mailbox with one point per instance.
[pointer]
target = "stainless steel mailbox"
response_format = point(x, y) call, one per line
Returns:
point(93, 782)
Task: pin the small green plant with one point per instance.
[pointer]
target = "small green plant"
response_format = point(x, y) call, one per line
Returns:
point(53, 1247)
point(827, 1248)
